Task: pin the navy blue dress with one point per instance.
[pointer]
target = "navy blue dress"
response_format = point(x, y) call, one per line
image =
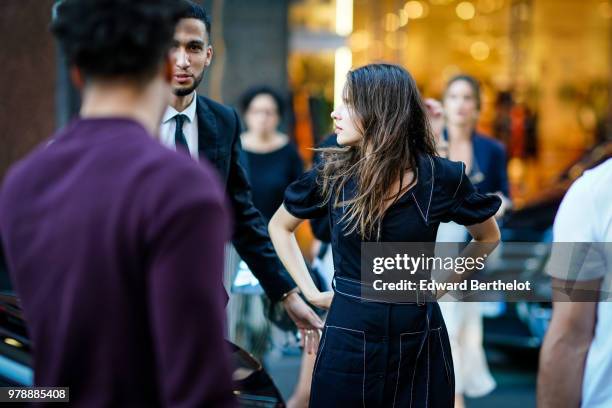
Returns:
point(375, 354)
point(489, 172)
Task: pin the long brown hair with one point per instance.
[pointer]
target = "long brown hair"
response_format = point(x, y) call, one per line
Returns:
point(391, 116)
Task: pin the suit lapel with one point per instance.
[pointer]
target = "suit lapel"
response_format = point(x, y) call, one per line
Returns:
point(208, 140)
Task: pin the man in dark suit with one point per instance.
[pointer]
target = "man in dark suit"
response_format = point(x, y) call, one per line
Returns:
point(205, 129)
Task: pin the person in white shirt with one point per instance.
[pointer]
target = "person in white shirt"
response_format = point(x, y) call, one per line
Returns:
point(576, 357)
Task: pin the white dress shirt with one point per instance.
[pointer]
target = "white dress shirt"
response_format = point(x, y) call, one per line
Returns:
point(190, 127)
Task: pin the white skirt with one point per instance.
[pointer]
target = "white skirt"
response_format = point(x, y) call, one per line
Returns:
point(464, 324)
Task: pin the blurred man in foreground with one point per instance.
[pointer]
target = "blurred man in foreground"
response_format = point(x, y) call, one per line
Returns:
point(115, 243)
point(576, 357)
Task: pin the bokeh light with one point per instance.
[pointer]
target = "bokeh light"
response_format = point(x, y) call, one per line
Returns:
point(465, 10)
point(415, 9)
point(392, 22)
point(480, 50)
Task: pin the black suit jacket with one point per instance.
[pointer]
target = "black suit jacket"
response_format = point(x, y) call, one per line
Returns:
point(219, 141)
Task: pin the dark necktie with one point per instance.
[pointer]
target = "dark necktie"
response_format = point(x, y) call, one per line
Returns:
point(179, 137)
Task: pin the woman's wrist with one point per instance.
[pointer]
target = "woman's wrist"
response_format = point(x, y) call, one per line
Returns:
point(291, 292)
point(311, 295)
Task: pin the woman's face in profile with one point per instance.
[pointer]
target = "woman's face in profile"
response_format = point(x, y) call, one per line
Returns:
point(345, 126)
point(460, 105)
point(262, 115)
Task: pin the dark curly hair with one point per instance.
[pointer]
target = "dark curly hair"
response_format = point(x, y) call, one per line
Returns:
point(116, 38)
point(252, 93)
point(197, 11)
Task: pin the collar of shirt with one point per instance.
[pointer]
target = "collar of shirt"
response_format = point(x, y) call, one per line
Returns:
point(190, 111)
point(190, 127)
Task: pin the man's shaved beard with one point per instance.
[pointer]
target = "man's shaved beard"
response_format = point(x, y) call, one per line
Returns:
point(187, 91)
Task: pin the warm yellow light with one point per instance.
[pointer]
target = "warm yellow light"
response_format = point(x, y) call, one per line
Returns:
point(344, 17)
point(450, 71)
point(486, 6)
point(499, 4)
point(343, 62)
point(465, 10)
point(392, 22)
point(395, 41)
point(360, 40)
point(12, 342)
point(605, 9)
point(480, 51)
point(481, 23)
point(377, 50)
point(414, 9)
point(403, 16)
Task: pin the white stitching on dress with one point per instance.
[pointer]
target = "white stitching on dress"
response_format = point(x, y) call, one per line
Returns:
point(427, 388)
point(416, 332)
point(364, 370)
point(433, 178)
point(314, 370)
point(399, 364)
point(364, 355)
point(443, 353)
point(426, 214)
point(419, 207)
point(460, 179)
point(346, 328)
point(416, 363)
point(346, 294)
point(427, 340)
point(373, 300)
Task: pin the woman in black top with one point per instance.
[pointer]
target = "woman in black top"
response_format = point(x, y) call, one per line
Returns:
point(385, 185)
point(272, 161)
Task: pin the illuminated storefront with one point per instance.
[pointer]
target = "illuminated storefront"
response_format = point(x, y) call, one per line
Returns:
point(544, 65)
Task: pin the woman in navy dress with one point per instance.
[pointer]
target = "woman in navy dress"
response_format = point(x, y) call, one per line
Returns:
point(385, 184)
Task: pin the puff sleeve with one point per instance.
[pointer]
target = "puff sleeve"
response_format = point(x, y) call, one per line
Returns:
point(468, 205)
point(303, 198)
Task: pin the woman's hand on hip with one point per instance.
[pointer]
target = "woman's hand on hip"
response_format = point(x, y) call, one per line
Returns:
point(322, 299)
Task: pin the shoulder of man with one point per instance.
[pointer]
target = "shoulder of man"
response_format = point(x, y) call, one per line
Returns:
point(224, 112)
point(27, 170)
point(597, 181)
point(173, 167)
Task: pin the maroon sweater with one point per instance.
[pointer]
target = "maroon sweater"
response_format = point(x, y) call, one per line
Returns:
point(115, 247)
